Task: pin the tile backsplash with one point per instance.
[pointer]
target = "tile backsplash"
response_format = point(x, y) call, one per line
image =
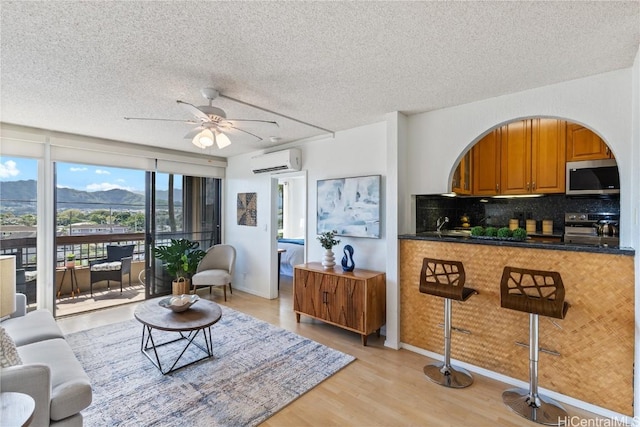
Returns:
point(497, 212)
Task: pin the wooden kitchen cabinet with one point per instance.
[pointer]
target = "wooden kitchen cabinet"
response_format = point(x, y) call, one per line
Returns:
point(355, 300)
point(461, 183)
point(583, 144)
point(533, 157)
point(486, 165)
point(515, 157)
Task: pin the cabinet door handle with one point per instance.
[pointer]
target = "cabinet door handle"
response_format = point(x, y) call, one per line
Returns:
point(497, 188)
point(534, 185)
point(527, 186)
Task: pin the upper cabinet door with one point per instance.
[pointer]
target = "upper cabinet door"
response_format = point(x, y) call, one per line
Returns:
point(461, 183)
point(486, 165)
point(521, 157)
point(515, 162)
point(548, 156)
point(583, 144)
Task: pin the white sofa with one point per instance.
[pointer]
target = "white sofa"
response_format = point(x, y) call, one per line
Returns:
point(50, 372)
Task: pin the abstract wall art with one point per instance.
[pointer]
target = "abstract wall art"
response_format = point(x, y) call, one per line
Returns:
point(248, 209)
point(349, 205)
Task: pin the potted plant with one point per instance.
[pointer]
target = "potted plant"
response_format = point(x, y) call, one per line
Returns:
point(180, 258)
point(71, 260)
point(328, 241)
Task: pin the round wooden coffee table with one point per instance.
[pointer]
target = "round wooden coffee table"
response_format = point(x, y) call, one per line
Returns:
point(188, 324)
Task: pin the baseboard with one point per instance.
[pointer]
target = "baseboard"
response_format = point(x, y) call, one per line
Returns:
point(250, 291)
point(598, 410)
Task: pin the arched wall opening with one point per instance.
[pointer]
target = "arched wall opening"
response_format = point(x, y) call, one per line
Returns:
point(516, 170)
point(575, 142)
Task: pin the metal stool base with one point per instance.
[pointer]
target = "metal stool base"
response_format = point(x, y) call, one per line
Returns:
point(450, 376)
point(547, 412)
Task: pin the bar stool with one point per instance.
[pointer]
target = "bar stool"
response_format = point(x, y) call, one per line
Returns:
point(535, 292)
point(446, 279)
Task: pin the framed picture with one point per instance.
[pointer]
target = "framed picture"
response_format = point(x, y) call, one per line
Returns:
point(349, 205)
point(247, 209)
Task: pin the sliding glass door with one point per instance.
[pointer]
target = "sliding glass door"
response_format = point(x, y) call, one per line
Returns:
point(19, 220)
point(178, 207)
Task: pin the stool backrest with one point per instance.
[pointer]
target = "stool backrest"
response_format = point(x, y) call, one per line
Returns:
point(533, 291)
point(442, 278)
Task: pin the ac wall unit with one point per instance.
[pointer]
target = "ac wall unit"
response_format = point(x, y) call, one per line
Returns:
point(279, 161)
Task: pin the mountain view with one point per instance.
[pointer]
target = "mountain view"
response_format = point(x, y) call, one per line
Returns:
point(19, 197)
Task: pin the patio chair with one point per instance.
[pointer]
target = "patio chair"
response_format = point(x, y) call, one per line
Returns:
point(114, 267)
point(216, 268)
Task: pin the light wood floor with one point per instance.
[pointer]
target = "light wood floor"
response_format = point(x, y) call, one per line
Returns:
point(383, 387)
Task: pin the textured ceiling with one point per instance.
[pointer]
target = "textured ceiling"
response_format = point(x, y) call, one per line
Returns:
point(80, 67)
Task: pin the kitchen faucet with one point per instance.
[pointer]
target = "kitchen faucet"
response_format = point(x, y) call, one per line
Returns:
point(441, 222)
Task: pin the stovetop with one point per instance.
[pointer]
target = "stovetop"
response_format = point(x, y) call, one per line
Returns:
point(580, 228)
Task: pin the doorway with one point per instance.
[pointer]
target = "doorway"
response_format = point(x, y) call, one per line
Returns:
point(289, 219)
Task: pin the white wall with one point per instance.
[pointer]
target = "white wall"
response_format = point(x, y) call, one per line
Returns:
point(635, 218)
point(603, 103)
point(324, 158)
point(252, 273)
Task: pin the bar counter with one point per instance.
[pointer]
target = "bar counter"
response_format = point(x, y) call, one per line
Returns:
point(593, 345)
point(537, 243)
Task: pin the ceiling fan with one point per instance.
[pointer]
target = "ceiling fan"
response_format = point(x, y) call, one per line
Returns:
point(212, 123)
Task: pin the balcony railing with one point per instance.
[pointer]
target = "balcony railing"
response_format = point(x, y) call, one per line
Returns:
point(86, 248)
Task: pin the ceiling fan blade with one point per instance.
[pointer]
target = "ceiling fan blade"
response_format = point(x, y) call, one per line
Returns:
point(194, 132)
point(242, 130)
point(255, 121)
point(193, 122)
point(194, 110)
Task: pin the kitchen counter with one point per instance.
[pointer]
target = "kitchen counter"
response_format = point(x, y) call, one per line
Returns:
point(464, 237)
point(599, 287)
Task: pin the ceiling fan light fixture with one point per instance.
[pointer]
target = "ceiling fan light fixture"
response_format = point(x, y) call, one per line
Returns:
point(221, 139)
point(204, 139)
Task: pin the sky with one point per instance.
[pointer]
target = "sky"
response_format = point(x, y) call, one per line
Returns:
point(81, 176)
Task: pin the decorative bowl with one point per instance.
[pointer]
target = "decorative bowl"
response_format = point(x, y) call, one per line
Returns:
point(178, 303)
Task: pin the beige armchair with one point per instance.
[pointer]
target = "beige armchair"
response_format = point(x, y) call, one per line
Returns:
point(216, 268)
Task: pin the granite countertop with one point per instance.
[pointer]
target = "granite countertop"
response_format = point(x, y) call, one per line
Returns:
point(559, 246)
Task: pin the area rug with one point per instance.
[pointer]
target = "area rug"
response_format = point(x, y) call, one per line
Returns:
point(257, 369)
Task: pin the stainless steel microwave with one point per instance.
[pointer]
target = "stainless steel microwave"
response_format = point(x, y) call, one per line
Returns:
point(593, 177)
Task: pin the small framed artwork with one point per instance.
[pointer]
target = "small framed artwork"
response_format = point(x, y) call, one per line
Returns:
point(349, 205)
point(248, 209)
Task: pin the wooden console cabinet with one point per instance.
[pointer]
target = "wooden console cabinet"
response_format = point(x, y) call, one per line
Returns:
point(351, 300)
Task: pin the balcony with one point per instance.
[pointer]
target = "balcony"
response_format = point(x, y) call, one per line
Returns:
point(86, 248)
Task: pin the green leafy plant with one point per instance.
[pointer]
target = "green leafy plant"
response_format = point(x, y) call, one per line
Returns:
point(71, 257)
point(477, 231)
point(504, 232)
point(491, 231)
point(327, 239)
point(180, 258)
point(520, 234)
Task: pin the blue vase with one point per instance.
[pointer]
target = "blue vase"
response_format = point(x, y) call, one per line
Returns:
point(347, 259)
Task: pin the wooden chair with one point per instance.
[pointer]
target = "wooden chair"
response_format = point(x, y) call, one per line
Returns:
point(216, 268)
point(114, 267)
point(446, 279)
point(536, 292)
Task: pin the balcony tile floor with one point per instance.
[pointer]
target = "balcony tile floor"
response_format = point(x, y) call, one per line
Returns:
point(102, 298)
